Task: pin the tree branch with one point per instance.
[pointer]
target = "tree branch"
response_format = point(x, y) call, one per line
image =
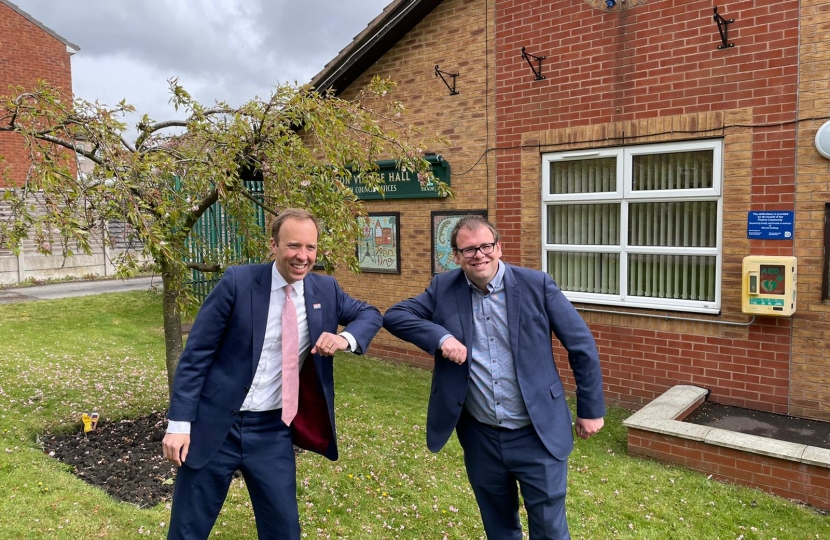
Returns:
point(201, 208)
point(184, 123)
point(127, 145)
point(245, 193)
point(203, 267)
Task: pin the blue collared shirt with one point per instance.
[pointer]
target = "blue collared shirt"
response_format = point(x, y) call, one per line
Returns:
point(494, 396)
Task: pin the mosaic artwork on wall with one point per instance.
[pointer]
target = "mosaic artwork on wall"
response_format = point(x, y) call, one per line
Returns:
point(378, 248)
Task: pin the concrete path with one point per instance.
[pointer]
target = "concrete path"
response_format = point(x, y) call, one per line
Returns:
point(77, 288)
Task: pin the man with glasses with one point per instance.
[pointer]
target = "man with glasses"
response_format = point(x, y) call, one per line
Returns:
point(489, 326)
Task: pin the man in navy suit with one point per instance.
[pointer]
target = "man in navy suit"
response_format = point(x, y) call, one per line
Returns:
point(489, 326)
point(226, 405)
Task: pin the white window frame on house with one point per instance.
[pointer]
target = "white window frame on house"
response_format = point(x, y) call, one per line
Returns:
point(624, 195)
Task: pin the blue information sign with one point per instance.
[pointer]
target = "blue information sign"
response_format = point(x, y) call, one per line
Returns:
point(770, 225)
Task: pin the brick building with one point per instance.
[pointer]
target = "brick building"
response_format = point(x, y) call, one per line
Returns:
point(29, 52)
point(628, 169)
point(405, 43)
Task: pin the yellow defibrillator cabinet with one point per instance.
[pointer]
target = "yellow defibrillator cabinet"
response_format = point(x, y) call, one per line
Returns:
point(769, 286)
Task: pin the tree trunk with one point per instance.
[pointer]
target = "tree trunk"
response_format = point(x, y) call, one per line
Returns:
point(172, 323)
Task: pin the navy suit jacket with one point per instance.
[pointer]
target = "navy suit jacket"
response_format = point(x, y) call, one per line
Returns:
point(535, 308)
point(220, 359)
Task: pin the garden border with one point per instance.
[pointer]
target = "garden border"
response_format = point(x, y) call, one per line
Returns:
point(791, 470)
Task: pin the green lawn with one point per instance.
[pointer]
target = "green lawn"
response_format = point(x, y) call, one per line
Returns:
point(61, 358)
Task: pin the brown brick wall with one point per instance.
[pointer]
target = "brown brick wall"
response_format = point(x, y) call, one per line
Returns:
point(810, 368)
point(27, 54)
point(454, 36)
point(798, 481)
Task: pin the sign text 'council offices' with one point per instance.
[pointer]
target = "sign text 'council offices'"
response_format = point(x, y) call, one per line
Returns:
point(398, 184)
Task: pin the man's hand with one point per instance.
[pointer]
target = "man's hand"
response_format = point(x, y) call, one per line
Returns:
point(175, 446)
point(454, 351)
point(328, 344)
point(586, 427)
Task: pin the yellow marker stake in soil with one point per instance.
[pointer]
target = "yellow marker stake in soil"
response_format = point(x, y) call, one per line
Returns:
point(90, 421)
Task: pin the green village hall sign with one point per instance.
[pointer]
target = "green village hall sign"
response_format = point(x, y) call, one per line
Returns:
point(402, 185)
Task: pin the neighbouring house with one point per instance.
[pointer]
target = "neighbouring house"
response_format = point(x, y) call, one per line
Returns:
point(637, 151)
point(31, 52)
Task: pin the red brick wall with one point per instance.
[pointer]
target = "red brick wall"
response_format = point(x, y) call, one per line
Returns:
point(27, 54)
point(799, 481)
point(749, 371)
point(657, 59)
point(650, 72)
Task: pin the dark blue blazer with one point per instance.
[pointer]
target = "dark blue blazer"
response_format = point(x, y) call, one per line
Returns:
point(535, 308)
point(222, 352)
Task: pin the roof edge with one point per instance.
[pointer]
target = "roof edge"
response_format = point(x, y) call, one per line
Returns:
point(377, 38)
point(71, 48)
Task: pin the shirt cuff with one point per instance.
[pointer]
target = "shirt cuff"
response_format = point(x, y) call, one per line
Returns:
point(353, 348)
point(178, 426)
point(443, 339)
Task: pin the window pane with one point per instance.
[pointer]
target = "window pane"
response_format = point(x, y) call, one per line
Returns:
point(682, 277)
point(680, 224)
point(677, 170)
point(585, 224)
point(583, 176)
point(585, 272)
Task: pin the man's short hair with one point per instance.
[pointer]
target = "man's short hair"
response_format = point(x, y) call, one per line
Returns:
point(471, 223)
point(291, 213)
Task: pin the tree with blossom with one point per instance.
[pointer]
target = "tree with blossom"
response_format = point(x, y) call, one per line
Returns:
point(301, 143)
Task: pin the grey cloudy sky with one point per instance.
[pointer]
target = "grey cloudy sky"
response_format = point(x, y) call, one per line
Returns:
point(227, 50)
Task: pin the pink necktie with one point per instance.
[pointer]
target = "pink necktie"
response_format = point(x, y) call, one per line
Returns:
point(290, 358)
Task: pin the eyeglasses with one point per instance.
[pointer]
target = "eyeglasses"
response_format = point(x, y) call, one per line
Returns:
point(470, 252)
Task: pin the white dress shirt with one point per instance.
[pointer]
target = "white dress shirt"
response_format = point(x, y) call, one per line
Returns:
point(265, 393)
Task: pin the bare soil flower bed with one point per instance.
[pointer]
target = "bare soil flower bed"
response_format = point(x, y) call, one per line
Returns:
point(123, 458)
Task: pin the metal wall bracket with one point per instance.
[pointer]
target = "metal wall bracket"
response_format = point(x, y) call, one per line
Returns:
point(538, 72)
point(723, 29)
point(439, 73)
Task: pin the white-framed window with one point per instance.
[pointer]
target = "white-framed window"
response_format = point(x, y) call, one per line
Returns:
point(637, 226)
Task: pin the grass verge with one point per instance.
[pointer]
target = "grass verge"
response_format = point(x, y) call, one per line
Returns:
point(64, 357)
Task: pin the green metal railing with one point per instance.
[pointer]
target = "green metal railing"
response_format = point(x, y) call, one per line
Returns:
point(217, 231)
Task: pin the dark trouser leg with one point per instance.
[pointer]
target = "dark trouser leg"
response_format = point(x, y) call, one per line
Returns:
point(493, 485)
point(270, 472)
point(199, 494)
point(543, 480)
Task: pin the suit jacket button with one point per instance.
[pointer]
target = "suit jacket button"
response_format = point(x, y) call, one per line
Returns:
point(460, 403)
point(233, 412)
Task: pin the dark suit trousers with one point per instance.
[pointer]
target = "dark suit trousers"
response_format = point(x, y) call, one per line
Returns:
point(496, 459)
point(259, 445)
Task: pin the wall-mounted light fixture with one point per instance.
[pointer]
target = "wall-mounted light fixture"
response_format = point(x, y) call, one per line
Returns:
point(439, 73)
point(723, 29)
point(823, 142)
point(536, 71)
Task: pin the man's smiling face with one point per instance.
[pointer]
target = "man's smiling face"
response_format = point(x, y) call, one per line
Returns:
point(480, 268)
point(296, 250)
